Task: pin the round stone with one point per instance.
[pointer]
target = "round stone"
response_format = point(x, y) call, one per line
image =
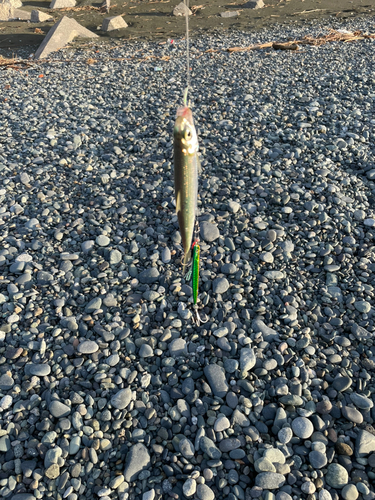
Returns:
point(220, 285)
point(341, 384)
point(324, 407)
point(122, 398)
point(274, 455)
point(324, 495)
point(337, 476)
point(285, 435)
point(269, 480)
point(204, 492)
point(58, 409)
point(209, 232)
point(349, 492)
point(146, 351)
point(87, 347)
point(317, 459)
point(189, 487)
point(40, 370)
point(302, 427)
point(361, 401)
point(221, 424)
point(362, 306)
point(102, 240)
point(308, 487)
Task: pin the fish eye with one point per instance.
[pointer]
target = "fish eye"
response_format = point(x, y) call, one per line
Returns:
point(188, 134)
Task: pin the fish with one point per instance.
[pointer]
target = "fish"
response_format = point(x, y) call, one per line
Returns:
point(186, 168)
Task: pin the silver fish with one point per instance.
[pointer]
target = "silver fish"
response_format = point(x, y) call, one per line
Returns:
point(186, 166)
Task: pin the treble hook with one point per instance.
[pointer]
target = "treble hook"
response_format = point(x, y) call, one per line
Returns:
point(198, 319)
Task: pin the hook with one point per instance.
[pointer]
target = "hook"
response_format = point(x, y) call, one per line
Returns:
point(198, 319)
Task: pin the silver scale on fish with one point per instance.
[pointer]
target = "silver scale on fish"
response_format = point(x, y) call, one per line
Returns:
point(186, 167)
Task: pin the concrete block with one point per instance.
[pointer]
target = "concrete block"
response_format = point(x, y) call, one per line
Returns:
point(230, 13)
point(61, 33)
point(37, 16)
point(23, 15)
point(113, 23)
point(62, 4)
point(6, 12)
point(254, 4)
point(106, 5)
point(13, 3)
point(180, 10)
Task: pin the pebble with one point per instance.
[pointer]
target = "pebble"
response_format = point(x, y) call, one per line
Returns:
point(204, 492)
point(102, 370)
point(361, 401)
point(209, 447)
point(341, 384)
point(220, 285)
point(216, 379)
point(349, 492)
point(247, 359)
point(337, 476)
point(285, 435)
point(58, 409)
point(189, 487)
point(88, 347)
point(269, 480)
point(302, 427)
point(352, 414)
point(122, 398)
point(365, 443)
point(209, 232)
point(102, 240)
point(317, 459)
point(137, 460)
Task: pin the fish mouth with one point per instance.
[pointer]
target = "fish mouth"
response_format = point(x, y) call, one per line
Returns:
point(186, 113)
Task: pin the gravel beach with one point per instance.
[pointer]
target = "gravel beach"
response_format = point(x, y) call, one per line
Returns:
point(107, 388)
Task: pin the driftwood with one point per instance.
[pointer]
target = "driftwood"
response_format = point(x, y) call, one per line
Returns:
point(332, 36)
point(285, 46)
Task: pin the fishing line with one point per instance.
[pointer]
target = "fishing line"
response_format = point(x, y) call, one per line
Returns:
point(187, 53)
